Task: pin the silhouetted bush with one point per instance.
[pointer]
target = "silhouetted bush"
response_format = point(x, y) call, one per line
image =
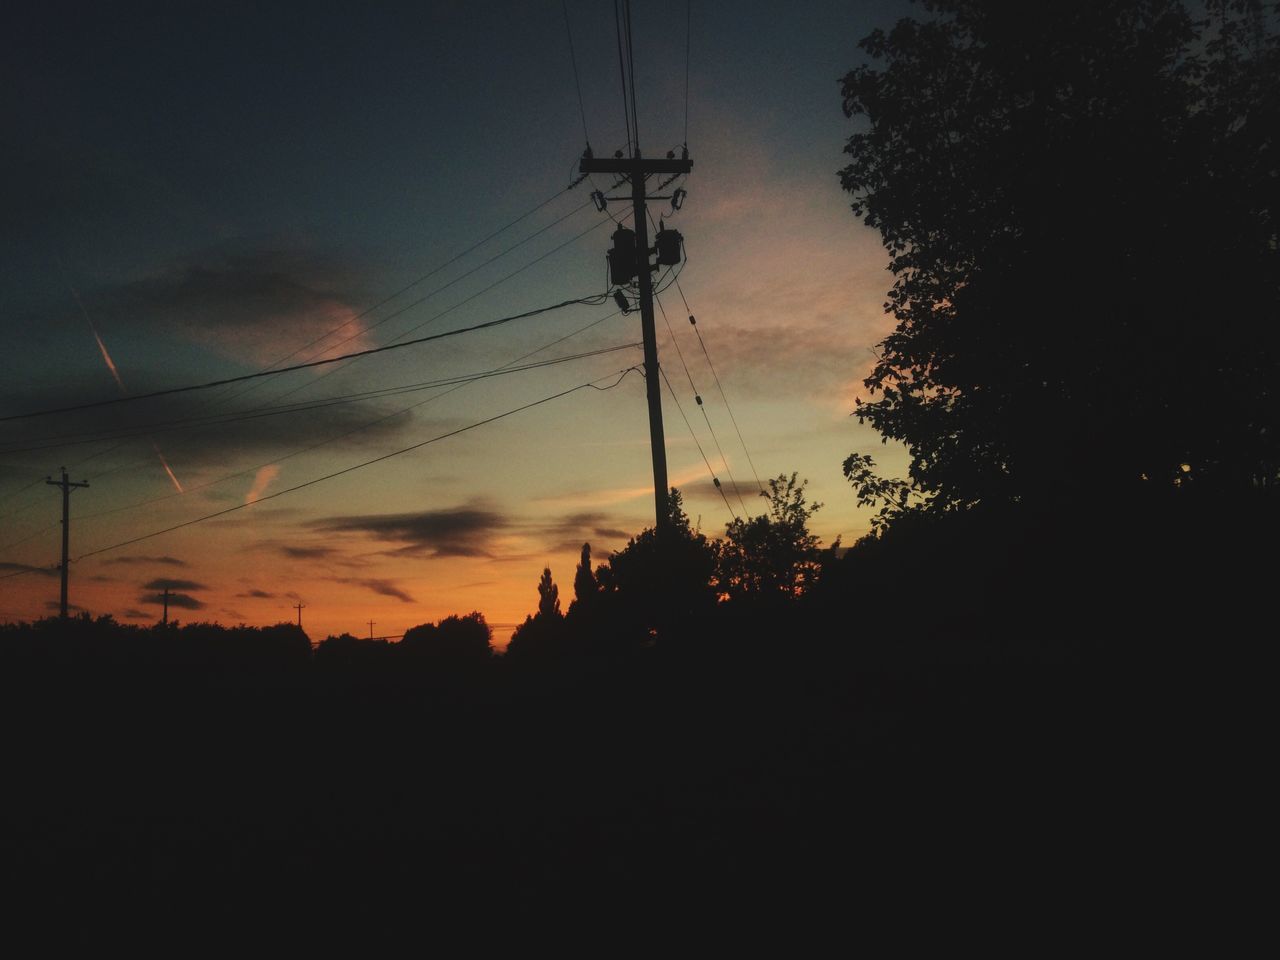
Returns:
point(451, 641)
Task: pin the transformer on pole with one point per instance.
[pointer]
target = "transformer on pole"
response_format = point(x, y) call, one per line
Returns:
point(628, 264)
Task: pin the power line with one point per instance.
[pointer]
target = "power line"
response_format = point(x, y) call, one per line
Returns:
point(358, 466)
point(576, 82)
point(714, 479)
point(273, 366)
point(431, 319)
point(19, 492)
point(337, 437)
point(425, 297)
point(693, 323)
point(29, 569)
point(622, 73)
point(479, 293)
point(688, 23)
point(631, 73)
point(218, 419)
point(701, 406)
point(304, 366)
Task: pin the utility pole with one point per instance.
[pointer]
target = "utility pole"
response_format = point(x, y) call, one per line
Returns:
point(67, 486)
point(371, 623)
point(165, 621)
point(299, 607)
point(637, 170)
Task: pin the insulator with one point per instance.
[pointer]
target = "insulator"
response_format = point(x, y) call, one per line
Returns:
point(692, 322)
point(621, 301)
point(622, 258)
point(698, 398)
point(668, 243)
point(599, 200)
point(716, 481)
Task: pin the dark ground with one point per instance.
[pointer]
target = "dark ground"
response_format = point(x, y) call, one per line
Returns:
point(1094, 778)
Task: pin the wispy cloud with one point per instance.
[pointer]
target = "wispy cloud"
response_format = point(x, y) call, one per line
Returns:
point(167, 561)
point(386, 588)
point(306, 553)
point(460, 532)
point(28, 568)
point(262, 479)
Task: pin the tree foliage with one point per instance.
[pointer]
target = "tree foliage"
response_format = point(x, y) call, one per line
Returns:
point(773, 555)
point(454, 639)
point(660, 585)
point(1078, 200)
point(543, 634)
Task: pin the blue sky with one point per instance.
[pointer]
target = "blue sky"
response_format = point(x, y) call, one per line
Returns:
point(220, 187)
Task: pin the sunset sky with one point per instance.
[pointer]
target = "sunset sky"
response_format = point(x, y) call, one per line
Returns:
point(192, 194)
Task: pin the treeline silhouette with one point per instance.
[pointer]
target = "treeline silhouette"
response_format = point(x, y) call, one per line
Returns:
point(945, 691)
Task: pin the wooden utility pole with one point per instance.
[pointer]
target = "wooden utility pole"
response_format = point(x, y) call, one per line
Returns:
point(371, 623)
point(165, 621)
point(67, 486)
point(299, 607)
point(638, 170)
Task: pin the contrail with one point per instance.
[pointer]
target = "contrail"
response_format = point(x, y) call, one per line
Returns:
point(111, 365)
point(165, 463)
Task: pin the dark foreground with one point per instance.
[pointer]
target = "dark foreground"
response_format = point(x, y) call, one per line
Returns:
point(632, 792)
point(1091, 774)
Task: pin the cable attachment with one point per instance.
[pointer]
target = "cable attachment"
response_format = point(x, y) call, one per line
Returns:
point(598, 199)
point(698, 398)
point(692, 322)
point(716, 481)
point(677, 198)
point(623, 304)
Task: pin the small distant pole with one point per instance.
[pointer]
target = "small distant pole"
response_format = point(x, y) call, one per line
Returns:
point(299, 607)
point(67, 486)
point(165, 621)
point(371, 623)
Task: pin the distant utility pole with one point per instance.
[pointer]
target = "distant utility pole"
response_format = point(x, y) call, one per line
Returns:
point(299, 607)
point(165, 621)
point(67, 486)
point(371, 623)
point(637, 170)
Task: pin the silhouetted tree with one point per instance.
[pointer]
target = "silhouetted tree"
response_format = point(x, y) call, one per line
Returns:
point(1079, 204)
point(585, 586)
point(542, 635)
point(659, 586)
point(453, 640)
point(772, 556)
point(345, 652)
point(548, 596)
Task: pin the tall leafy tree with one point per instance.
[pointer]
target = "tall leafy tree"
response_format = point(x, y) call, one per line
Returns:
point(548, 596)
point(585, 586)
point(662, 585)
point(1078, 198)
point(542, 635)
point(774, 555)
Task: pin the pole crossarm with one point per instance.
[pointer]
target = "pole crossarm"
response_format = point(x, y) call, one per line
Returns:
point(634, 165)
